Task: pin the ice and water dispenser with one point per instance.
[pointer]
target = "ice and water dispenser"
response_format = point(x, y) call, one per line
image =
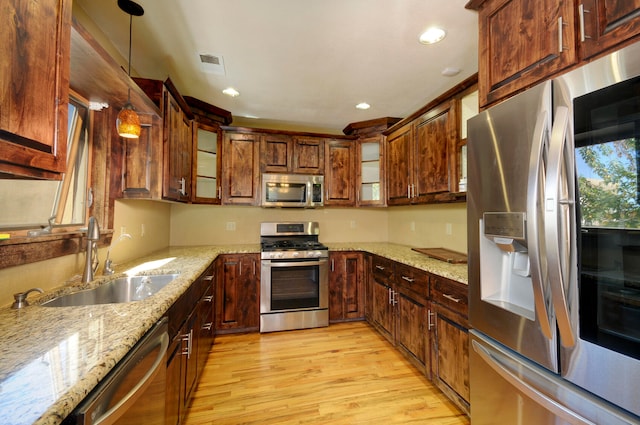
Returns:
point(505, 267)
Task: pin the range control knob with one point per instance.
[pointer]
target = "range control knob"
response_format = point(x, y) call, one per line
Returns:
point(296, 254)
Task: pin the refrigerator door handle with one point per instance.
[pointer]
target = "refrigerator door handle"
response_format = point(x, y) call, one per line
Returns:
point(535, 199)
point(559, 211)
point(501, 367)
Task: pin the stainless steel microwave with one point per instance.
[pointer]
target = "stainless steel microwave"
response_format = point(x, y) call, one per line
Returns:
point(292, 190)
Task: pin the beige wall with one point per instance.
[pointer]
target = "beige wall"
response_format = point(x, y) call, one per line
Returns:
point(179, 224)
point(425, 226)
point(202, 225)
point(55, 272)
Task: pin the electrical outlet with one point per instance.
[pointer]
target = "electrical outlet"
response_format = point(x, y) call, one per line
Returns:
point(447, 229)
point(231, 226)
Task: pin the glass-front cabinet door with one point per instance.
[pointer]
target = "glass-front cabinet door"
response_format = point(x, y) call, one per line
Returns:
point(370, 176)
point(206, 164)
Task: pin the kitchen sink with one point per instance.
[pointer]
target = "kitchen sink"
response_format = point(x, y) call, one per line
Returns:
point(119, 290)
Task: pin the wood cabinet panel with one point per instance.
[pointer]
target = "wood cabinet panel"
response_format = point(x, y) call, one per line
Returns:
point(34, 87)
point(140, 157)
point(382, 310)
point(399, 166)
point(606, 23)
point(241, 169)
point(276, 153)
point(450, 339)
point(308, 155)
point(346, 286)
point(340, 173)
point(237, 293)
point(411, 335)
point(434, 140)
point(177, 144)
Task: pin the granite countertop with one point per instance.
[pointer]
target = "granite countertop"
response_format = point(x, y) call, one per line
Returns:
point(52, 357)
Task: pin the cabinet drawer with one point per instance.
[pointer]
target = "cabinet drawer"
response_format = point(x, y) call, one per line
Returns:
point(450, 293)
point(413, 279)
point(382, 268)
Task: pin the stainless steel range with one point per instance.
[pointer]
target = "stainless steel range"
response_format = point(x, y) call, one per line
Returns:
point(294, 284)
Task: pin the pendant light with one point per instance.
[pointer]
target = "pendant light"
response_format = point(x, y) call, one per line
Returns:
point(128, 122)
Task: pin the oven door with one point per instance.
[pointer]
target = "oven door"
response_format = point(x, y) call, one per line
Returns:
point(294, 285)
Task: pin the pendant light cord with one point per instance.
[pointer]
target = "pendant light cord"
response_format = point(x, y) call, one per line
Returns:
point(130, 25)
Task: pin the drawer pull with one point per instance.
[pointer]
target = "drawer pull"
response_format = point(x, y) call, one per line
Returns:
point(379, 267)
point(208, 298)
point(452, 298)
point(408, 279)
point(208, 278)
point(207, 326)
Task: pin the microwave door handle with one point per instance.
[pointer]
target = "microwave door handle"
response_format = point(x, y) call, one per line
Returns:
point(555, 219)
point(535, 199)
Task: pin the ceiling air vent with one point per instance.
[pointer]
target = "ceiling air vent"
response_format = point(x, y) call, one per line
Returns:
point(212, 64)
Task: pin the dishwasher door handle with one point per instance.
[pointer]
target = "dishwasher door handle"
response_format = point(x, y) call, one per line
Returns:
point(112, 415)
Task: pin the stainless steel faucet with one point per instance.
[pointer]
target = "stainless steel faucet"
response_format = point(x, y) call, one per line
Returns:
point(108, 263)
point(91, 260)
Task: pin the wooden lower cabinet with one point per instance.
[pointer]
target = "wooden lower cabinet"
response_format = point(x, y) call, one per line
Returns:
point(450, 340)
point(411, 332)
point(346, 286)
point(237, 293)
point(398, 311)
point(191, 336)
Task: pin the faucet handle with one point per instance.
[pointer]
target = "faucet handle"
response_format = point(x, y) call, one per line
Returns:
point(21, 298)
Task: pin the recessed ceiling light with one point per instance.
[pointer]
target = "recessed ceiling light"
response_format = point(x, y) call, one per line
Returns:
point(450, 71)
point(432, 35)
point(230, 91)
point(363, 105)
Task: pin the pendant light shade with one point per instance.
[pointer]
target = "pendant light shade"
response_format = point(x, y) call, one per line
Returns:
point(128, 122)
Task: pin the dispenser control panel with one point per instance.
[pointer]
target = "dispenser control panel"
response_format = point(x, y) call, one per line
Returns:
point(505, 225)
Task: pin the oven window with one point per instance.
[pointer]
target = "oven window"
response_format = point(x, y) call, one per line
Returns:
point(607, 140)
point(295, 287)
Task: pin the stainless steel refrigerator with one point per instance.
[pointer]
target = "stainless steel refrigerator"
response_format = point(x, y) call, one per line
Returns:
point(554, 250)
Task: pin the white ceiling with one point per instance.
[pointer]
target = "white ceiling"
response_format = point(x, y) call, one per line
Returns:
point(298, 64)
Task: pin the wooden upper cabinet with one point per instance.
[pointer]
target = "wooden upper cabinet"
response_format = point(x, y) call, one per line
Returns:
point(308, 157)
point(178, 139)
point(340, 173)
point(34, 87)
point(521, 42)
point(435, 139)
point(276, 153)
point(606, 23)
point(399, 162)
point(241, 169)
point(140, 158)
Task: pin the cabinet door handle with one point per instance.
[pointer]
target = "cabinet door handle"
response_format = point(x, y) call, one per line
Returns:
point(408, 279)
point(219, 192)
point(188, 338)
point(452, 298)
point(409, 191)
point(183, 187)
point(582, 11)
point(394, 301)
point(561, 46)
point(430, 324)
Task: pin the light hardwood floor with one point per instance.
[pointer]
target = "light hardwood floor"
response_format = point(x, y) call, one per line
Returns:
point(344, 374)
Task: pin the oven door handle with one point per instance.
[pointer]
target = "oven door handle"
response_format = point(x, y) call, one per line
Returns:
point(272, 263)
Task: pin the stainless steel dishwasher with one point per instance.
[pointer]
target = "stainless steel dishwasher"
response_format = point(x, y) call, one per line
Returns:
point(134, 391)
